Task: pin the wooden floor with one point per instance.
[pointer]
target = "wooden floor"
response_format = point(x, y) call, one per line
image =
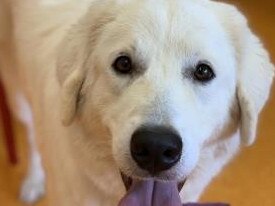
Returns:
point(248, 181)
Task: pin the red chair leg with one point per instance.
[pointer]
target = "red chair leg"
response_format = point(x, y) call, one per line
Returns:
point(7, 127)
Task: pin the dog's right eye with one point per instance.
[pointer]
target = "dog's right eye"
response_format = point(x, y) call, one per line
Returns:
point(123, 65)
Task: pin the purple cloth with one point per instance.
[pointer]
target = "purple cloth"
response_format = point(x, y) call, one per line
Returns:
point(206, 204)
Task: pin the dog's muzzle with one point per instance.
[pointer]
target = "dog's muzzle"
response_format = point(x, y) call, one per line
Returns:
point(155, 150)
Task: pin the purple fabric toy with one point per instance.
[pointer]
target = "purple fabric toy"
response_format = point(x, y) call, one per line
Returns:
point(206, 204)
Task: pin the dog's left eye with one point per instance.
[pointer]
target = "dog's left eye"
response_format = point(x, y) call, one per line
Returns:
point(123, 65)
point(204, 73)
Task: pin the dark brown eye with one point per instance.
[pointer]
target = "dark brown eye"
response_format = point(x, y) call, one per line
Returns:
point(123, 65)
point(203, 73)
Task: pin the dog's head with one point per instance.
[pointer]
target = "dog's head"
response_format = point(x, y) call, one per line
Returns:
point(164, 77)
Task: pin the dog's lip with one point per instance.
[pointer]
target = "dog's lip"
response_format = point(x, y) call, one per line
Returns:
point(127, 181)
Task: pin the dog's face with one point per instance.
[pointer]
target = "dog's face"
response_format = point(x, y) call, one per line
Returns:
point(164, 77)
point(156, 69)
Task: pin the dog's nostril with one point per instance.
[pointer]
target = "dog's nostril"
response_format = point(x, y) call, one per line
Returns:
point(156, 148)
point(170, 153)
point(141, 152)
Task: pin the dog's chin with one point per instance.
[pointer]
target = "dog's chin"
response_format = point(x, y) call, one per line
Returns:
point(150, 191)
point(128, 181)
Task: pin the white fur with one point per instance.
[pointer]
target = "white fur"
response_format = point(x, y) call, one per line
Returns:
point(33, 186)
point(64, 52)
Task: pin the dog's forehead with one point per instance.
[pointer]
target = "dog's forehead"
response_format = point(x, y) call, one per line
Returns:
point(173, 27)
point(177, 33)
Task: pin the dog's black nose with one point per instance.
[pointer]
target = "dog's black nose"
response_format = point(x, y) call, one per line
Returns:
point(156, 149)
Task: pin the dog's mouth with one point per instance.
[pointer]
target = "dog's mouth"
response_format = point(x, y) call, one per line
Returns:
point(150, 192)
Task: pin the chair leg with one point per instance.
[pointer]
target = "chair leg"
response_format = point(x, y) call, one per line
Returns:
point(5, 115)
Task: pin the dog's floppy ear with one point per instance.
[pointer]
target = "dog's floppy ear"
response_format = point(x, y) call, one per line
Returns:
point(71, 73)
point(255, 71)
point(74, 52)
point(254, 82)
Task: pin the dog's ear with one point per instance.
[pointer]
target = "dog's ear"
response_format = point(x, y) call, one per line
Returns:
point(255, 71)
point(74, 55)
point(71, 73)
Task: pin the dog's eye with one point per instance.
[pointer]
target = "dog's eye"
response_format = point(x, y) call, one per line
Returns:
point(203, 73)
point(123, 65)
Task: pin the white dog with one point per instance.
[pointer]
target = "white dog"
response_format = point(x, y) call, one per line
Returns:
point(158, 93)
